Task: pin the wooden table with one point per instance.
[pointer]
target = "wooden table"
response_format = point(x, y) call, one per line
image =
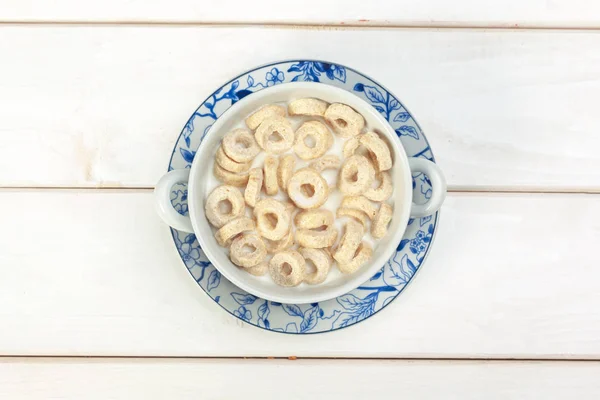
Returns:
point(95, 302)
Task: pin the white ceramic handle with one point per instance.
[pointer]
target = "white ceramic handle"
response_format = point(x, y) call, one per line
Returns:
point(438, 187)
point(162, 198)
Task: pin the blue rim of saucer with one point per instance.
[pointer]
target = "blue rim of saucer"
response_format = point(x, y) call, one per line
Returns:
point(345, 310)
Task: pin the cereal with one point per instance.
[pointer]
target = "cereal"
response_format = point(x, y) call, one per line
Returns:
point(358, 215)
point(322, 262)
point(312, 219)
point(350, 146)
point(351, 239)
point(326, 162)
point(266, 112)
point(287, 268)
point(363, 253)
point(356, 175)
point(232, 229)
point(287, 163)
point(319, 133)
point(271, 164)
point(228, 164)
point(381, 221)
point(255, 182)
point(308, 189)
point(230, 178)
point(344, 120)
point(378, 149)
point(258, 270)
point(272, 219)
point(275, 246)
point(383, 191)
point(308, 106)
point(247, 258)
point(275, 135)
point(317, 239)
point(240, 146)
point(360, 203)
point(227, 197)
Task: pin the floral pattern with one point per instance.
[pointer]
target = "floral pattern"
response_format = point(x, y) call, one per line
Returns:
point(367, 299)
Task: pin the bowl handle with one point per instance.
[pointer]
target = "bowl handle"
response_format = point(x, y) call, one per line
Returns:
point(162, 193)
point(438, 187)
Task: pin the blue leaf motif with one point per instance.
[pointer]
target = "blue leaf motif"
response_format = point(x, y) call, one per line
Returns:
point(291, 327)
point(345, 319)
point(410, 221)
point(292, 310)
point(187, 155)
point(243, 299)
point(217, 299)
point(250, 80)
point(394, 105)
point(380, 109)
point(425, 220)
point(402, 117)
point(213, 280)
point(234, 85)
point(402, 244)
point(406, 130)
point(352, 303)
point(189, 239)
point(205, 132)
point(359, 87)
point(377, 275)
point(339, 73)
point(264, 311)
point(187, 141)
point(373, 94)
point(294, 68)
point(430, 229)
point(397, 272)
point(311, 316)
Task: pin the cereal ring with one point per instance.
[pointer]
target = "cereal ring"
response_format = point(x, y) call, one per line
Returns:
point(308, 106)
point(358, 215)
point(320, 135)
point(231, 178)
point(383, 191)
point(255, 182)
point(227, 163)
point(356, 175)
point(247, 250)
point(275, 246)
point(344, 120)
point(258, 270)
point(316, 239)
point(322, 263)
point(240, 146)
point(381, 221)
point(363, 253)
point(351, 239)
point(223, 204)
point(266, 112)
point(287, 268)
point(232, 229)
point(350, 146)
point(360, 203)
point(379, 150)
point(275, 135)
point(271, 164)
point(287, 164)
point(272, 219)
point(290, 207)
point(327, 162)
point(308, 189)
point(312, 219)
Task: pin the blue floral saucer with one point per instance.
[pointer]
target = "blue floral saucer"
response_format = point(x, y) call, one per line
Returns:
point(363, 301)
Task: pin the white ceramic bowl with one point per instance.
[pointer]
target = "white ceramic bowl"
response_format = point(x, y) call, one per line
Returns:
point(200, 182)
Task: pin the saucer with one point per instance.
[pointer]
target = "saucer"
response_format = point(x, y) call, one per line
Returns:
point(348, 309)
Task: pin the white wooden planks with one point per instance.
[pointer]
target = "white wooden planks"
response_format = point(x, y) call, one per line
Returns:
point(506, 13)
point(95, 273)
point(102, 106)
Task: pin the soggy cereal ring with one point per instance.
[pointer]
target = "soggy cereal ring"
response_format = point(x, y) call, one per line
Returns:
point(223, 204)
point(270, 167)
point(353, 213)
point(356, 175)
point(381, 221)
point(230, 178)
point(272, 219)
point(247, 250)
point(228, 164)
point(351, 239)
point(383, 191)
point(344, 120)
point(287, 163)
point(307, 106)
point(275, 135)
point(240, 146)
point(360, 203)
point(263, 113)
point(255, 182)
point(275, 246)
point(312, 219)
point(378, 149)
point(233, 228)
point(287, 268)
point(308, 189)
point(319, 134)
point(363, 253)
point(258, 270)
point(314, 239)
point(322, 262)
point(326, 162)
